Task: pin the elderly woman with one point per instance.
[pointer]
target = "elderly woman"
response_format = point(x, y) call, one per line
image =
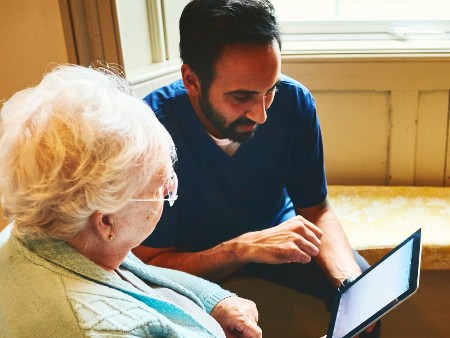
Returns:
point(84, 171)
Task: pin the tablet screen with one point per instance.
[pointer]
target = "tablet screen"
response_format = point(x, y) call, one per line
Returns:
point(377, 291)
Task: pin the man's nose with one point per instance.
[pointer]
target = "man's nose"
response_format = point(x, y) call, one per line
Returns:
point(257, 112)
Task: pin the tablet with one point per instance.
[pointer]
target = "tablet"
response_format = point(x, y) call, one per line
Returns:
point(378, 290)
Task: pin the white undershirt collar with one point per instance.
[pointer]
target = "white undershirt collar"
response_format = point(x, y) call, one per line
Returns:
point(227, 145)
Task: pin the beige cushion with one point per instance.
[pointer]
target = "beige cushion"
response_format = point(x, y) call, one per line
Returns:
point(377, 218)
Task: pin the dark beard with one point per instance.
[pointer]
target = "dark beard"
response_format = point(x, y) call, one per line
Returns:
point(219, 123)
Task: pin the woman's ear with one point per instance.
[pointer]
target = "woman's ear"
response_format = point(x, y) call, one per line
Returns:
point(103, 225)
point(190, 80)
point(105, 220)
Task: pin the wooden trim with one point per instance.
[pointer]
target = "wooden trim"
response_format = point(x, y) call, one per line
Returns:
point(109, 28)
point(352, 75)
point(91, 31)
point(157, 40)
point(447, 150)
point(69, 35)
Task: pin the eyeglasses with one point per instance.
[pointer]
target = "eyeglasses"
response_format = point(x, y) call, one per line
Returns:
point(170, 192)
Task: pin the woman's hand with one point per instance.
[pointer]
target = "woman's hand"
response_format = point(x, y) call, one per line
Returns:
point(238, 317)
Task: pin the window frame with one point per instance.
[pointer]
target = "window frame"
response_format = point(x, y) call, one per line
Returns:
point(376, 36)
point(321, 39)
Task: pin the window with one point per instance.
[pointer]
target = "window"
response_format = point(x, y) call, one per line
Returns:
point(149, 34)
point(349, 26)
point(149, 40)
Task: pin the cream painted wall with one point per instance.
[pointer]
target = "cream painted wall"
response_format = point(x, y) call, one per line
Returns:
point(31, 39)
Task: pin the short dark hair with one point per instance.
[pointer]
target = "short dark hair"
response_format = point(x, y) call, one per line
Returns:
point(207, 26)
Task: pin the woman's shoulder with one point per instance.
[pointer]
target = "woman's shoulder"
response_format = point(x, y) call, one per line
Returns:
point(45, 298)
point(45, 301)
point(34, 297)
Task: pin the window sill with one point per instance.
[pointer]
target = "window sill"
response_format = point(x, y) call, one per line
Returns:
point(148, 78)
point(366, 49)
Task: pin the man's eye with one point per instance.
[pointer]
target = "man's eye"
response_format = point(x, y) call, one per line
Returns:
point(241, 98)
point(272, 91)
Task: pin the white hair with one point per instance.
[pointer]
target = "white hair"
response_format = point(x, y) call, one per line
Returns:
point(77, 143)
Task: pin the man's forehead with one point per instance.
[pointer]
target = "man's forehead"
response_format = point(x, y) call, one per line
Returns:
point(246, 67)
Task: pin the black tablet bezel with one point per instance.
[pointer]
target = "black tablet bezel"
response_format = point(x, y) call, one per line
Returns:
point(416, 237)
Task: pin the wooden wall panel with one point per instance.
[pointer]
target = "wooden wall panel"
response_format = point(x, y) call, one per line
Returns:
point(431, 138)
point(385, 120)
point(402, 142)
point(370, 73)
point(355, 129)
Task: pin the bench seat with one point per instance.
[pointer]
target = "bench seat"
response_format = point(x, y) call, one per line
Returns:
point(378, 218)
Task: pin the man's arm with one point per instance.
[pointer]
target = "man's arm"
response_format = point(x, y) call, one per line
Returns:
point(336, 256)
point(212, 264)
point(296, 240)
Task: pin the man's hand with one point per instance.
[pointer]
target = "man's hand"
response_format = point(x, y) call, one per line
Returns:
point(238, 317)
point(296, 240)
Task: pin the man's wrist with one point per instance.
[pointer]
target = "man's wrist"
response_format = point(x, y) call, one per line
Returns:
point(346, 283)
point(234, 251)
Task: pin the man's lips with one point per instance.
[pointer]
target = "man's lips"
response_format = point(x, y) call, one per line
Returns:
point(247, 126)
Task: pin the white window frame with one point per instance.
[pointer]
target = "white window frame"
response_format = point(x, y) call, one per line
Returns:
point(149, 42)
point(356, 37)
point(322, 39)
